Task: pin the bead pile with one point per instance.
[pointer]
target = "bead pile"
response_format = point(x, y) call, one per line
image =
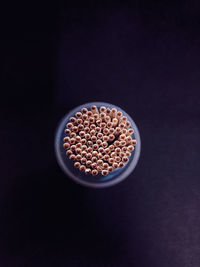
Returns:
point(99, 141)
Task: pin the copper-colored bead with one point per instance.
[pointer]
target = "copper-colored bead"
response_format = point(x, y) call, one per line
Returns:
point(123, 119)
point(109, 124)
point(99, 135)
point(88, 162)
point(86, 129)
point(93, 138)
point(104, 172)
point(83, 153)
point(84, 110)
point(134, 142)
point(101, 150)
point(116, 143)
point(122, 154)
point(108, 111)
point(92, 127)
point(122, 137)
point(128, 124)
point(94, 165)
point(105, 165)
point(82, 168)
point(125, 159)
point(72, 141)
point(130, 131)
point(98, 122)
point(103, 109)
point(111, 131)
point(89, 150)
point(78, 157)
point(98, 129)
point(107, 150)
point(79, 121)
point(130, 148)
point(115, 122)
point(106, 157)
point(119, 114)
point(72, 157)
point(111, 137)
point(79, 115)
point(128, 154)
point(92, 132)
point(107, 119)
point(124, 131)
point(84, 147)
point(78, 139)
point(117, 131)
point(85, 117)
point(72, 119)
point(103, 125)
point(99, 162)
point(117, 150)
point(110, 169)
point(111, 160)
point(105, 131)
point(83, 141)
point(122, 143)
point(128, 139)
point(94, 159)
point(75, 129)
point(91, 120)
point(113, 154)
point(80, 127)
point(99, 142)
point(95, 147)
point(105, 138)
point(113, 112)
point(78, 150)
point(99, 156)
point(99, 168)
point(72, 135)
point(96, 117)
point(90, 143)
point(66, 139)
point(82, 134)
point(111, 147)
point(102, 115)
point(94, 109)
point(67, 131)
point(86, 123)
point(90, 113)
point(78, 145)
point(68, 152)
point(83, 160)
point(87, 136)
point(73, 147)
point(117, 159)
point(77, 164)
point(94, 154)
point(94, 172)
point(115, 165)
point(104, 144)
point(89, 156)
point(88, 170)
point(70, 125)
point(66, 145)
point(121, 164)
point(124, 149)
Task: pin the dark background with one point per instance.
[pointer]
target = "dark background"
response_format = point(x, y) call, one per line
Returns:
point(144, 58)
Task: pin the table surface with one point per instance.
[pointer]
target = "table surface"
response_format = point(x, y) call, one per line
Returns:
point(145, 59)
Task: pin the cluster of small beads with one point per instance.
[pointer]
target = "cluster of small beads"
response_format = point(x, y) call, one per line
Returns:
point(99, 140)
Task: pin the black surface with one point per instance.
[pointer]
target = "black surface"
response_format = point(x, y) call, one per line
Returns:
point(144, 59)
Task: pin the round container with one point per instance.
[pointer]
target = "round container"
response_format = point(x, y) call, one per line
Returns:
point(98, 181)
